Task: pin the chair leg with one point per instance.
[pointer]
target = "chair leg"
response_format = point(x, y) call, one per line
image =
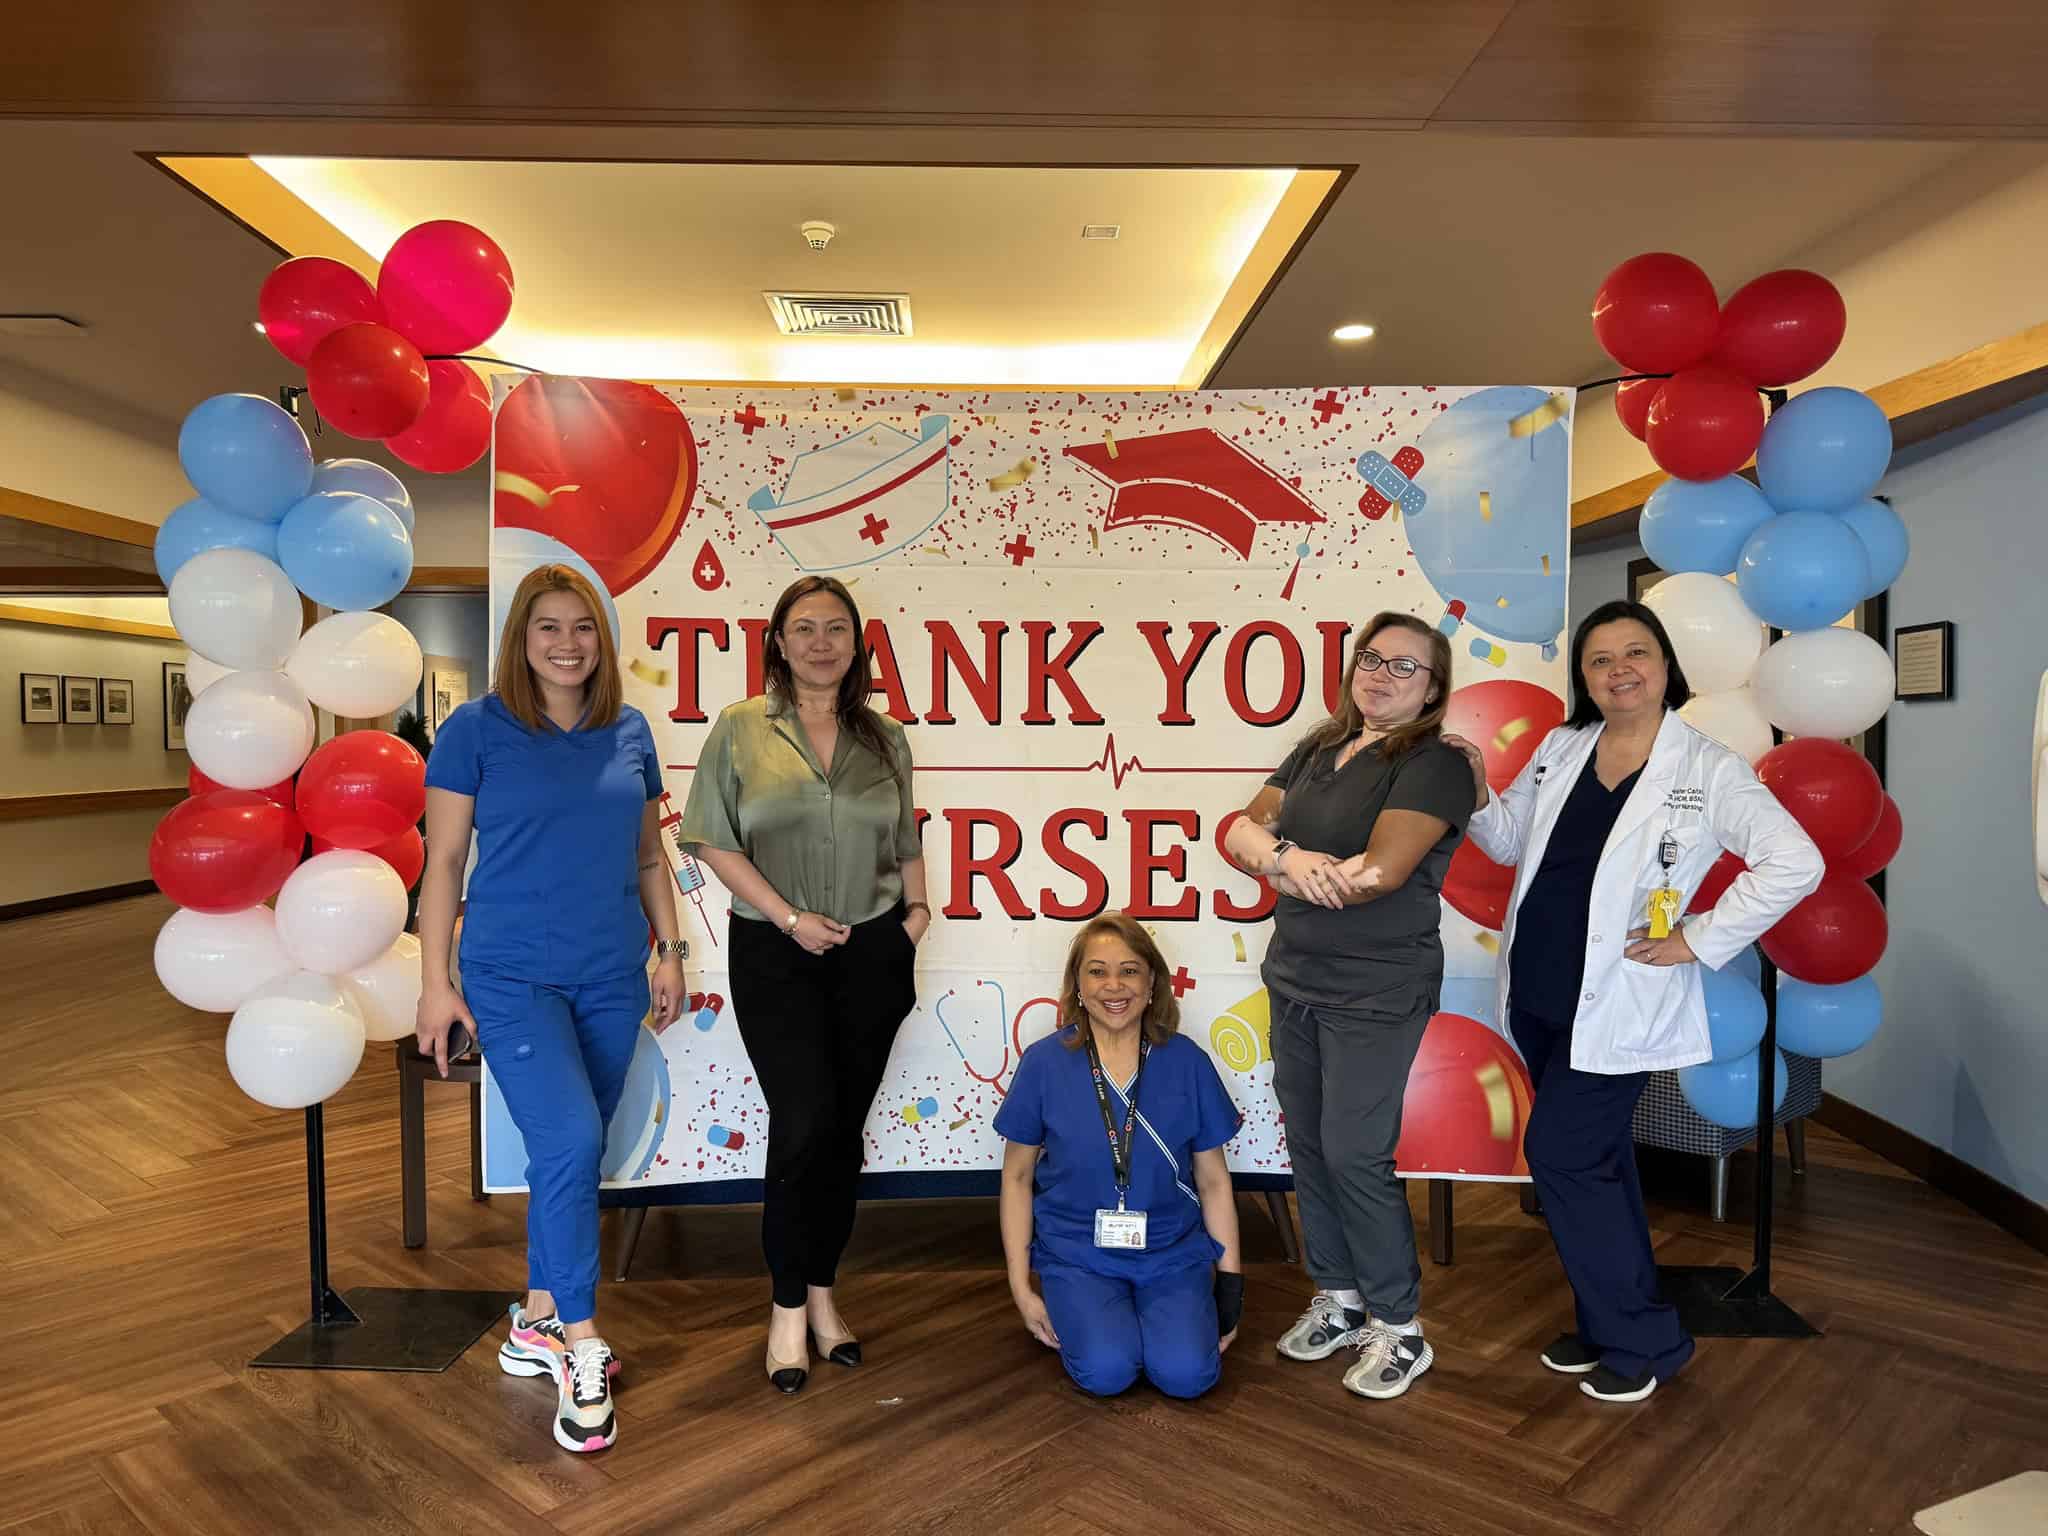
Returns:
point(1718, 1201)
point(1440, 1220)
point(1795, 1145)
point(1283, 1221)
point(629, 1238)
point(476, 1140)
point(412, 1155)
point(1531, 1205)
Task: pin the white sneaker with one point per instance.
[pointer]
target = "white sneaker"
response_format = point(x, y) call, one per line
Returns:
point(1326, 1327)
point(1388, 1362)
point(584, 1420)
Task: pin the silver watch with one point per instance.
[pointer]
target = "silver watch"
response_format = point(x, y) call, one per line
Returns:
point(663, 948)
point(1280, 851)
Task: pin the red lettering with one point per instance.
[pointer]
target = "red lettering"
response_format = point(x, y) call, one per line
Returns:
point(886, 677)
point(1145, 863)
point(1290, 678)
point(966, 863)
point(1178, 670)
point(1095, 884)
point(1336, 636)
point(755, 633)
point(688, 710)
point(1220, 900)
point(984, 687)
point(1056, 670)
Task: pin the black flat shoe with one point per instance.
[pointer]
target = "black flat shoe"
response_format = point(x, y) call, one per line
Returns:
point(788, 1376)
point(844, 1350)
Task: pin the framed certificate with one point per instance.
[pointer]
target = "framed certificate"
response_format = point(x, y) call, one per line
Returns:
point(1922, 653)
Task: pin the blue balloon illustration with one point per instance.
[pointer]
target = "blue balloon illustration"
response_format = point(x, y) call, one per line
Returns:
point(1828, 1021)
point(1803, 570)
point(516, 551)
point(198, 526)
point(345, 550)
point(1885, 541)
point(366, 479)
point(1701, 525)
point(1497, 477)
point(246, 455)
point(1723, 1093)
point(1748, 963)
point(1735, 1012)
point(640, 1123)
point(1823, 450)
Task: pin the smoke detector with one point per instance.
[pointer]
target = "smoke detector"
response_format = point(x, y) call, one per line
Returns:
point(817, 233)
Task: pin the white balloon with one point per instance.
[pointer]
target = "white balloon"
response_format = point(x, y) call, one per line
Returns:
point(296, 1042)
point(1733, 719)
point(216, 962)
point(1715, 636)
point(340, 910)
point(388, 990)
point(201, 674)
point(249, 730)
point(237, 608)
point(359, 665)
point(1825, 682)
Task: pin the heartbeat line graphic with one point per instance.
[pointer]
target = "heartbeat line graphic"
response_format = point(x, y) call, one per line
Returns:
point(1118, 768)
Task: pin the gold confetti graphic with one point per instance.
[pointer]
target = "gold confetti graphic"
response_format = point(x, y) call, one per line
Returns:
point(655, 677)
point(1486, 506)
point(1109, 442)
point(521, 487)
point(1010, 479)
point(716, 502)
point(1550, 412)
point(1487, 942)
point(1256, 410)
point(1237, 943)
point(960, 1122)
point(1094, 539)
point(1500, 602)
point(1512, 732)
point(842, 394)
point(1546, 565)
point(1500, 1100)
point(935, 549)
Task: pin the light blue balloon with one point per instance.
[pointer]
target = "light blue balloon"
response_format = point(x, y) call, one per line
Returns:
point(1735, 1012)
point(198, 526)
point(246, 455)
point(367, 479)
point(1701, 525)
point(1828, 1021)
point(345, 550)
point(515, 552)
point(1723, 1093)
point(1823, 450)
point(1478, 559)
point(1803, 570)
point(1748, 963)
point(1885, 541)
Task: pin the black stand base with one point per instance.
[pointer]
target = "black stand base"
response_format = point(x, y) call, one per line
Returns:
point(379, 1328)
point(1719, 1301)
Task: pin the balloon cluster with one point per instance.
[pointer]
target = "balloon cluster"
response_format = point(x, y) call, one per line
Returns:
point(375, 357)
point(1805, 544)
point(330, 966)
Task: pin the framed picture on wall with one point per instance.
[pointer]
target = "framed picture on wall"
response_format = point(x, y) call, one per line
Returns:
point(81, 701)
point(177, 701)
point(447, 690)
point(39, 698)
point(117, 701)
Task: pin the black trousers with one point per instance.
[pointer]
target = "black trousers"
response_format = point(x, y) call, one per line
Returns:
point(818, 1029)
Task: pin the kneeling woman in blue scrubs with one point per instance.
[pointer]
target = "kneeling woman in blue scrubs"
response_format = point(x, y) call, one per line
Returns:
point(1114, 1185)
point(560, 780)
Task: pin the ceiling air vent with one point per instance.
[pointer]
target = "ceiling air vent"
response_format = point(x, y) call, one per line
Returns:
point(840, 314)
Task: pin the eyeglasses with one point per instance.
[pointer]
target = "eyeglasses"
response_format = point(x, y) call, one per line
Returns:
point(1403, 667)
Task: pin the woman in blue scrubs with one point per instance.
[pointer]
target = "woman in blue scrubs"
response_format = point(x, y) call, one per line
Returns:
point(559, 779)
point(1114, 1184)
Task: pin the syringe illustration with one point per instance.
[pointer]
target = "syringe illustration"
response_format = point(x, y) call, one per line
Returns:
point(682, 863)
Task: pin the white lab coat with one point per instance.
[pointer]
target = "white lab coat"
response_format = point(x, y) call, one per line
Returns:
point(1634, 1017)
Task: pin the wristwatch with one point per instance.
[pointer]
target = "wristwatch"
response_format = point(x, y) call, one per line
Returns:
point(1280, 851)
point(663, 948)
point(789, 927)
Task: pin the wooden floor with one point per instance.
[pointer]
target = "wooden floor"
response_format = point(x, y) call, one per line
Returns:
point(152, 1238)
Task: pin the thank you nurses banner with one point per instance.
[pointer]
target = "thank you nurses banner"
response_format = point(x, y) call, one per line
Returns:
point(1103, 619)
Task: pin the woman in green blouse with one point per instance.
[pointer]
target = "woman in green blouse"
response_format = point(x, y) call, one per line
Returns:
point(801, 806)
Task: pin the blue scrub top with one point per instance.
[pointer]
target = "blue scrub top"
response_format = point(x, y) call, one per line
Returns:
point(555, 896)
point(1183, 1108)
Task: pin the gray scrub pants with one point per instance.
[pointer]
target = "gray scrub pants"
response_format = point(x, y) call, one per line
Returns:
point(1340, 1079)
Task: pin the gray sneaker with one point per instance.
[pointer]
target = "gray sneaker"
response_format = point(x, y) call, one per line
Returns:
point(1326, 1327)
point(1388, 1362)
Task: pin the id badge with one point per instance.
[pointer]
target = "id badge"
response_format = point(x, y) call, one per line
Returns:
point(1120, 1229)
point(1664, 911)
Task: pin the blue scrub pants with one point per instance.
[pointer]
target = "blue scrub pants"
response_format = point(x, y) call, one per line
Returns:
point(1582, 1157)
point(1111, 1330)
point(559, 1056)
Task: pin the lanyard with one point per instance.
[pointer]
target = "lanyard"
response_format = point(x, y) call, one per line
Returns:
point(1667, 852)
point(1119, 1145)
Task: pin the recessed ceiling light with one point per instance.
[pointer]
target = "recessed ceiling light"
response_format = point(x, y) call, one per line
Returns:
point(1352, 333)
point(259, 327)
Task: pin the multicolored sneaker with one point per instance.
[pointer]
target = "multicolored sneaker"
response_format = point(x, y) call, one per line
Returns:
point(584, 1420)
point(535, 1346)
point(1388, 1362)
point(1326, 1327)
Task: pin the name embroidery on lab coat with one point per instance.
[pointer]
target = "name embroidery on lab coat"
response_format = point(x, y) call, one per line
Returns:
point(1686, 800)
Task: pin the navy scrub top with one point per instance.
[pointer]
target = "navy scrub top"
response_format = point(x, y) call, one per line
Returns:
point(1183, 1108)
point(555, 896)
point(1548, 961)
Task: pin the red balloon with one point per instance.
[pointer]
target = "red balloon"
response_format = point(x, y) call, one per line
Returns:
point(225, 851)
point(197, 783)
point(1705, 423)
point(1830, 789)
point(605, 466)
point(306, 299)
point(1506, 720)
point(1719, 878)
point(446, 286)
point(1467, 1102)
point(1781, 327)
point(368, 381)
point(362, 790)
point(1880, 848)
point(1632, 399)
point(454, 430)
point(405, 853)
point(1656, 313)
point(1835, 935)
point(1478, 888)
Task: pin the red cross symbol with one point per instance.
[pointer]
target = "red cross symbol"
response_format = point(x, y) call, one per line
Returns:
point(873, 529)
point(749, 419)
point(1019, 550)
point(1181, 982)
point(1328, 406)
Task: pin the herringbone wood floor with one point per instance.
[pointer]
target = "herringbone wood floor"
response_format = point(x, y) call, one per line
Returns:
point(152, 1239)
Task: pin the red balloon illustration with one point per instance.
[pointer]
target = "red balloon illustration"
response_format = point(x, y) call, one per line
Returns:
point(405, 853)
point(1781, 327)
point(1632, 399)
point(1656, 313)
point(446, 286)
point(1880, 848)
point(1506, 720)
point(362, 790)
point(225, 851)
point(1467, 1102)
point(196, 783)
point(454, 429)
point(1705, 423)
point(1719, 878)
point(1830, 789)
point(1478, 888)
point(368, 381)
point(306, 299)
point(603, 465)
point(1834, 935)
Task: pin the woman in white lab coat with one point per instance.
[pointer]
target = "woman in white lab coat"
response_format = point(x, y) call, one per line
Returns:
point(1613, 823)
